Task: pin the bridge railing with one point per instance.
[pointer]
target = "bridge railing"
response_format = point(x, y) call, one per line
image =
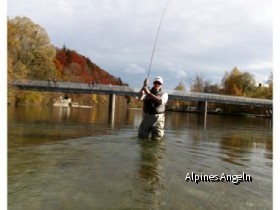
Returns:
point(73, 85)
point(211, 96)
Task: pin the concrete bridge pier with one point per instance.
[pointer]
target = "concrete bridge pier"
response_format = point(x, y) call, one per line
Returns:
point(111, 111)
point(202, 107)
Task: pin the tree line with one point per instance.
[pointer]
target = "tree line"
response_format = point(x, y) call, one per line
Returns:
point(235, 83)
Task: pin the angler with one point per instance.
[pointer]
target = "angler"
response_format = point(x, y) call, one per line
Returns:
point(153, 110)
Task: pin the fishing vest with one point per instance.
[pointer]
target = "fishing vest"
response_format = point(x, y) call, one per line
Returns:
point(151, 107)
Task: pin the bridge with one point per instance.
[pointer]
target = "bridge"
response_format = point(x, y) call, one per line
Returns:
point(112, 90)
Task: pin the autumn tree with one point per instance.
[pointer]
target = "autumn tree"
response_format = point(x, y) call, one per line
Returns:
point(30, 56)
point(179, 103)
point(270, 87)
point(180, 87)
point(211, 88)
point(264, 91)
point(197, 83)
point(29, 50)
point(238, 83)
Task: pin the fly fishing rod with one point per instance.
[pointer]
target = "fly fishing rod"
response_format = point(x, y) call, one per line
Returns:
point(155, 43)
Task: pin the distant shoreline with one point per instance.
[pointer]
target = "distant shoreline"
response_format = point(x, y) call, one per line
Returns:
point(224, 113)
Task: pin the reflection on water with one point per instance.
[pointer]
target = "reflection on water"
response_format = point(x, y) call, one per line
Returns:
point(149, 183)
point(74, 159)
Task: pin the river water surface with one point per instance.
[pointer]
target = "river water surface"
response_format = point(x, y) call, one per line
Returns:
point(73, 158)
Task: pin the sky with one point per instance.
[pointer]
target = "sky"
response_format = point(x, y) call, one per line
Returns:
point(196, 37)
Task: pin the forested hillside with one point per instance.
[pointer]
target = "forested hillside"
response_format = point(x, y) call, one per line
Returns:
point(71, 66)
point(32, 56)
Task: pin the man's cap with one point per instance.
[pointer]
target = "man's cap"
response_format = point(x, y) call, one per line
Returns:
point(159, 79)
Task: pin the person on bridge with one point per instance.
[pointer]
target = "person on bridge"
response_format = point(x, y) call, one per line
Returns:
point(154, 101)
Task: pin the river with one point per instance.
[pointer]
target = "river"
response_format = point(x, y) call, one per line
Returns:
point(73, 158)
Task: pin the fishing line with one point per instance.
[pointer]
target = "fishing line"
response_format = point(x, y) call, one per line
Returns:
point(157, 38)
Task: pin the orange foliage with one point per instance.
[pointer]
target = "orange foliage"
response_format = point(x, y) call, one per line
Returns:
point(77, 68)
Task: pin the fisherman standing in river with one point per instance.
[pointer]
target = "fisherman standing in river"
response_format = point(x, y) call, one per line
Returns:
point(154, 101)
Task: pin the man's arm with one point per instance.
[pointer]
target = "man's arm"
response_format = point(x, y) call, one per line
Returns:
point(155, 98)
point(142, 93)
point(164, 98)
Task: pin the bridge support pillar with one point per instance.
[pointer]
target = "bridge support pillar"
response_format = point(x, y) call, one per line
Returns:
point(111, 115)
point(202, 107)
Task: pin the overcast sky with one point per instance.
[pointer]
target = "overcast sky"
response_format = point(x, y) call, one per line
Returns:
point(204, 37)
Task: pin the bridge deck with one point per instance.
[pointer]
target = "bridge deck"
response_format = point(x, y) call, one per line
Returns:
point(84, 88)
